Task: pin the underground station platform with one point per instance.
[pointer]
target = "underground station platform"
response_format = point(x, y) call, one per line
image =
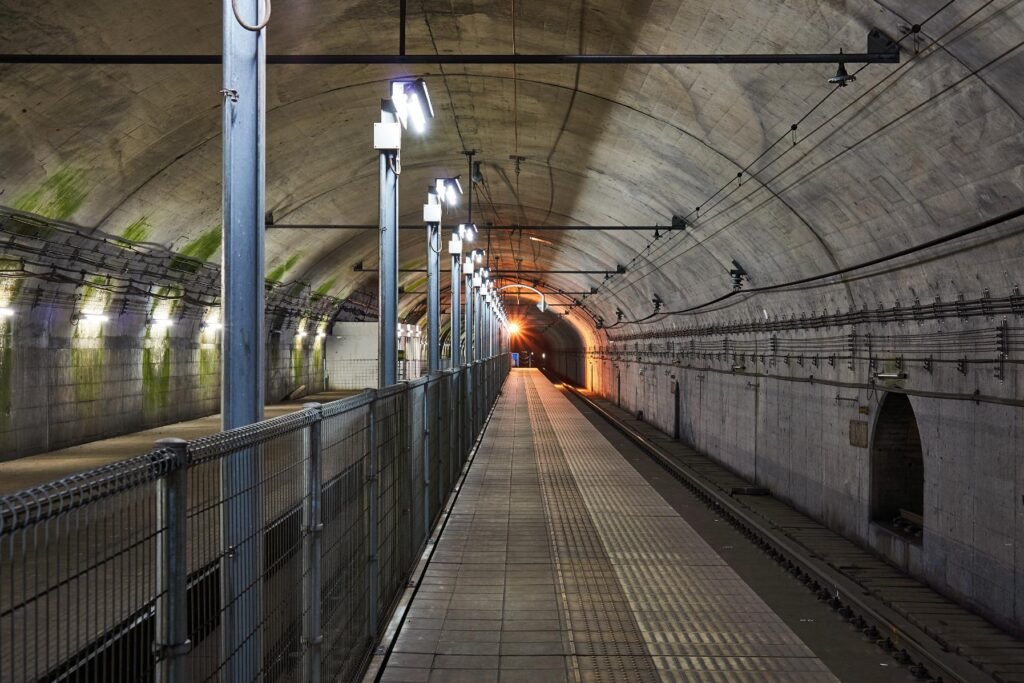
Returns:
point(570, 555)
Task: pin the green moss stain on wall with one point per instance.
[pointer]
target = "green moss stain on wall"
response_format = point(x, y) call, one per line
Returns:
point(6, 374)
point(156, 377)
point(324, 289)
point(138, 231)
point(59, 197)
point(318, 362)
point(87, 361)
point(298, 353)
point(209, 368)
point(278, 272)
point(200, 249)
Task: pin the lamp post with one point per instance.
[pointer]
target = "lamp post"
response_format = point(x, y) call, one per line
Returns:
point(444, 191)
point(243, 342)
point(408, 106)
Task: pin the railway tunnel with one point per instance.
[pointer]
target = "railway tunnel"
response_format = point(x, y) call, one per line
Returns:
point(495, 341)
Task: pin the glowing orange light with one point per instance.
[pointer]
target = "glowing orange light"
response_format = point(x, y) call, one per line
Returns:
point(513, 328)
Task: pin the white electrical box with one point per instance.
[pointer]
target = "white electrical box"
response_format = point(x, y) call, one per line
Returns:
point(387, 135)
point(431, 213)
point(455, 245)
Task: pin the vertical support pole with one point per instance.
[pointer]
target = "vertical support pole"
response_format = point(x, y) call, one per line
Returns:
point(373, 560)
point(312, 551)
point(433, 297)
point(388, 253)
point(171, 639)
point(456, 305)
point(470, 337)
point(426, 459)
point(470, 342)
point(243, 341)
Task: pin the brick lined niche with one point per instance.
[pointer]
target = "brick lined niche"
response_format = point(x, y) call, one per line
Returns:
point(897, 468)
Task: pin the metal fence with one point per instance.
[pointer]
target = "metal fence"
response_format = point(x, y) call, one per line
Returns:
point(342, 374)
point(273, 552)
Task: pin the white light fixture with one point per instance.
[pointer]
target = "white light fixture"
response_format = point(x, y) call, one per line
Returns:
point(449, 190)
point(161, 322)
point(412, 104)
point(300, 333)
point(467, 231)
point(212, 325)
point(321, 334)
point(6, 312)
point(93, 317)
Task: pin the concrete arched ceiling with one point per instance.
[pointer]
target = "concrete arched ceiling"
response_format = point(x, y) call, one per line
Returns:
point(908, 153)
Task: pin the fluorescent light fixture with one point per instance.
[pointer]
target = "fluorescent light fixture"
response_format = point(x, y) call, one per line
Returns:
point(161, 322)
point(321, 334)
point(300, 333)
point(212, 325)
point(449, 190)
point(6, 312)
point(94, 317)
point(412, 104)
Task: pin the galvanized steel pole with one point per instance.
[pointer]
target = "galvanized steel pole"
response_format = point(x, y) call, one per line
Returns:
point(242, 341)
point(433, 288)
point(388, 275)
point(171, 642)
point(312, 551)
point(456, 305)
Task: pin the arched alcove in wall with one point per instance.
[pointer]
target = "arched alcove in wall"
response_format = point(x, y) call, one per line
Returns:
point(897, 467)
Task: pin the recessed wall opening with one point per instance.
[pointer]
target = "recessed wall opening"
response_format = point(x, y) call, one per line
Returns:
point(897, 469)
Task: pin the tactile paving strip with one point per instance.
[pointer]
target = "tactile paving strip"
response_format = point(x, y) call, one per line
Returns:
point(608, 642)
point(697, 619)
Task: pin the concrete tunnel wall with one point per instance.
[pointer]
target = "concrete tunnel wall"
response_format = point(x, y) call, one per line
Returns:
point(804, 429)
point(63, 384)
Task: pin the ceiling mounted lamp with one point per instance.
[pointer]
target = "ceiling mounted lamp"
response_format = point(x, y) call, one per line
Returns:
point(842, 78)
point(412, 104)
point(467, 231)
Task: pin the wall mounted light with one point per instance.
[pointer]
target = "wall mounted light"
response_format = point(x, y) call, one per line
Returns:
point(89, 317)
point(890, 375)
point(412, 104)
point(6, 312)
point(211, 325)
point(300, 333)
point(161, 322)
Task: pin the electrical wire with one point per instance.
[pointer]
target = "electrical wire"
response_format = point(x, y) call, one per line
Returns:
point(957, 234)
point(255, 28)
point(763, 185)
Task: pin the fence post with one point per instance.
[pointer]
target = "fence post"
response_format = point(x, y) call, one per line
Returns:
point(312, 528)
point(171, 641)
point(426, 459)
point(373, 559)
